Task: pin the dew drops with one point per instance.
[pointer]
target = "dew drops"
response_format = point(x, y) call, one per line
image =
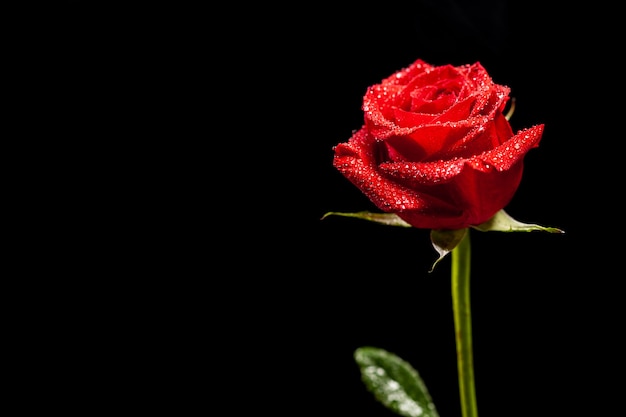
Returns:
point(393, 393)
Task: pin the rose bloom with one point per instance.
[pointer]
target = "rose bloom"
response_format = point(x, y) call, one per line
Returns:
point(436, 148)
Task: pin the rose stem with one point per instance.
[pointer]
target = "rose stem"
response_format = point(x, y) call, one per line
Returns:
point(461, 256)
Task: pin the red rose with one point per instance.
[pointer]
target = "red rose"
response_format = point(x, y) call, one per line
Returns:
point(436, 148)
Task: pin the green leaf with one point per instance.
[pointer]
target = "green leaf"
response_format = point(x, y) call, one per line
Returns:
point(444, 241)
point(502, 222)
point(394, 383)
point(388, 219)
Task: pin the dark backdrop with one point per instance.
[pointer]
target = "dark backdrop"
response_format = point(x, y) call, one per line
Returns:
point(210, 134)
point(544, 306)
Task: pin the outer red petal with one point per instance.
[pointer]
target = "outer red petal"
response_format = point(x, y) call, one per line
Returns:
point(357, 161)
point(446, 194)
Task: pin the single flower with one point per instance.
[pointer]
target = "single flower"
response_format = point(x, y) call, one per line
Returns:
point(436, 151)
point(436, 148)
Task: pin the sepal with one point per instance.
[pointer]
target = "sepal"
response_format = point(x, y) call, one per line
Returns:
point(444, 241)
point(502, 222)
point(388, 219)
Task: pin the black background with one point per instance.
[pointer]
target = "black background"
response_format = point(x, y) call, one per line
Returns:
point(226, 289)
point(544, 306)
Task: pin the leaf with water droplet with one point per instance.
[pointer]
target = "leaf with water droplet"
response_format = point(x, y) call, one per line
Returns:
point(444, 241)
point(394, 383)
point(388, 219)
point(502, 222)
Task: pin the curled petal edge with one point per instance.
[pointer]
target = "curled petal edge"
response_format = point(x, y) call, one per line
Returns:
point(500, 158)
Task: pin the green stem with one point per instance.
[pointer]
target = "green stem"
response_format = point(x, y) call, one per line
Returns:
point(461, 257)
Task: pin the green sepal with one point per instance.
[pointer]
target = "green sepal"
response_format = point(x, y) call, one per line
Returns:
point(388, 219)
point(502, 222)
point(444, 241)
point(394, 383)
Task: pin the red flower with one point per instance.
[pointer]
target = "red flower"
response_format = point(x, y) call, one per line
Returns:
point(436, 148)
